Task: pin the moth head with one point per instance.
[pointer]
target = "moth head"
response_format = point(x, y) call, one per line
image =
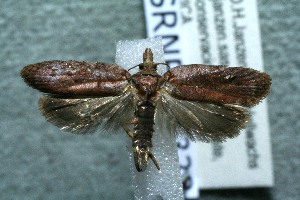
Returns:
point(148, 55)
point(148, 67)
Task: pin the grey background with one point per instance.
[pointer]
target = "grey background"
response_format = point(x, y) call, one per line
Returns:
point(38, 163)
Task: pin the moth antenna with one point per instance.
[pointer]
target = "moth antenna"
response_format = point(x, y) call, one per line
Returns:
point(132, 67)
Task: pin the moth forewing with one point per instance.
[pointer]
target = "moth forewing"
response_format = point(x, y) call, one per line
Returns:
point(73, 78)
point(217, 84)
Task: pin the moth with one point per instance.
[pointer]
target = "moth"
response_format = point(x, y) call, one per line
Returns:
point(203, 102)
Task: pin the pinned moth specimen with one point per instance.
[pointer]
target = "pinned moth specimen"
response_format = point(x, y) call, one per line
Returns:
point(203, 102)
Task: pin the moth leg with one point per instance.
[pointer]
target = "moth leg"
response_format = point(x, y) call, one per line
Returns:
point(133, 121)
point(154, 160)
point(129, 132)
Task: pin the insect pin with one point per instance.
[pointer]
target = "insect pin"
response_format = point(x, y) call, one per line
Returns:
point(203, 102)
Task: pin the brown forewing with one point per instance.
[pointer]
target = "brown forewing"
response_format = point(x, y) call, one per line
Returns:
point(76, 78)
point(217, 84)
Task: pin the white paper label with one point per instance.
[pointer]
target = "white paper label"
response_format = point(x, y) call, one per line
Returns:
point(217, 32)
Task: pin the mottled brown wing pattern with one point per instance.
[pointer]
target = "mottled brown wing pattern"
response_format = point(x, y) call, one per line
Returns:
point(76, 78)
point(217, 84)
